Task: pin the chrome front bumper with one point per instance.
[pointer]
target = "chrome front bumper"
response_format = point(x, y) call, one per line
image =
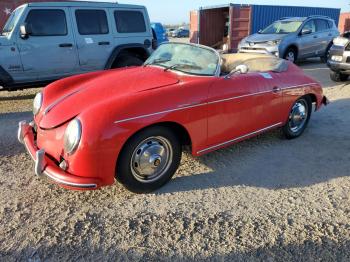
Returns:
point(44, 166)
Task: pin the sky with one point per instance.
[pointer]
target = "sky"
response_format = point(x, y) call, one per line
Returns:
point(177, 11)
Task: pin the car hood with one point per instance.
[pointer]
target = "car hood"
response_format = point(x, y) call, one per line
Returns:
point(257, 38)
point(67, 98)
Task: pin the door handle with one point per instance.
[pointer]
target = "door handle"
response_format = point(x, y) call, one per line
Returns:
point(315, 36)
point(103, 43)
point(276, 89)
point(66, 45)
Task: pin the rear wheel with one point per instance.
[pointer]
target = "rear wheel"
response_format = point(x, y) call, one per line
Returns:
point(298, 118)
point(149, 160)
point(291, 55)
point(338, 77)
point(127, 60)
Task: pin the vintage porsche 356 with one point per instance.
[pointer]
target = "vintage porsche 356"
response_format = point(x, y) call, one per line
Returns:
point(130, 124)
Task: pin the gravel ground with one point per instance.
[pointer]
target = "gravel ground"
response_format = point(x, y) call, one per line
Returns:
point(266, 199)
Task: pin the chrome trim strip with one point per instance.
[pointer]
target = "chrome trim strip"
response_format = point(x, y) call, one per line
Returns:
point(238, 138)
point(237, 97)
point(159, 113)
point(59, 181)
point(291, 87)
point(52, 105)
point(208, 103)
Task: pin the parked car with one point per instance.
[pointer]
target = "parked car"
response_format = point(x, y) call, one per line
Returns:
point(293, 38)
point(42, 42)
point(131, 124)
point(169, 32)
point(181, 33)
point(339, 58)
point(159, 33)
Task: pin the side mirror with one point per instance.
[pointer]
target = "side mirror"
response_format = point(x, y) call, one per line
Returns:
point(25, 30)
point(306, 31)
point(241, 69)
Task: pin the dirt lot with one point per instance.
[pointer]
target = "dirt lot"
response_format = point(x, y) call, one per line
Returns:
point(264, 199)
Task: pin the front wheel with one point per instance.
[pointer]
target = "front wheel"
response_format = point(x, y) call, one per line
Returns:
point(338, 77)
point(291, 55)
point(298, 118)
point(149, 160)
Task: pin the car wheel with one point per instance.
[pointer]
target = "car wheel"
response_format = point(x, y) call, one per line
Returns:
point(291, 55)
point(298, 118)
point(325, 58)
point(128, 60)
point(338, 77)
point(149, 160)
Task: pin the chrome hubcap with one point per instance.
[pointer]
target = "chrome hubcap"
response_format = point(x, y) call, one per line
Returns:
point(151, 159)
point(298, 116)
point(290, 56)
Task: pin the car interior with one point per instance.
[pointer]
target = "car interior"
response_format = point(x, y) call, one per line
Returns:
point(254, 62)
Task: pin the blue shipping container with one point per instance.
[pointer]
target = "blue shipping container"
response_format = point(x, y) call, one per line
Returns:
point(264, 15)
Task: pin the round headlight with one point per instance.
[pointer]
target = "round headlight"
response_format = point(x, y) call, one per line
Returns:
point(72, 136)
point(37, 103)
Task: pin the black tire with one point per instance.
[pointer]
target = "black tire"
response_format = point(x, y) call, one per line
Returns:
point(325, 58)
point(291, 52)
point(288, 130)
point(127, 60)
point(126, 172)
point(338, 77)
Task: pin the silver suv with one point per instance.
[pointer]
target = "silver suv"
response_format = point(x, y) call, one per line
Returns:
point(294, 38)
point(42, 42)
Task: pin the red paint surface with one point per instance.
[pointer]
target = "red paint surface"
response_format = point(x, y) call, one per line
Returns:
point(106, 99)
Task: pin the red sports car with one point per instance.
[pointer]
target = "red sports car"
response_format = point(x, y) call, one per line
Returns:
point(130, 124)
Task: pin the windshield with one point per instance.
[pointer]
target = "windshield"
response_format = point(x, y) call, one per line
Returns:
point(12, 20)
point(282, 27)
point(186, 58)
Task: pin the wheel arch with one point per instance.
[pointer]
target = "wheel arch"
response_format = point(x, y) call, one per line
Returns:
point(313, 98)
point(138, 49)
point(294, 46)
point(179, 130)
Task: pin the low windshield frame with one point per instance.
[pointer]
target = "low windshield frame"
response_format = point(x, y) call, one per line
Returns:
point(152, 60)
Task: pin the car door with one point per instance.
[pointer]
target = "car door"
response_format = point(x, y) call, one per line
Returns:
point(308, 42)
point(93, 36)
point(242, 105)
point(49, 51)
point(324, 35)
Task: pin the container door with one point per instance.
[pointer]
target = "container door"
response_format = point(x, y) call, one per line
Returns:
point(50, 51)
point(93, 36)
point(240, 17)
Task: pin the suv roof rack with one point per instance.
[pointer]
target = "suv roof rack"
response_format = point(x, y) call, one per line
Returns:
point(286, 17)
point(321, 16)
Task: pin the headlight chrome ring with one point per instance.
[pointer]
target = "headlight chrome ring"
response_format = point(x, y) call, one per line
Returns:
point(72, 136)
point(37, 103)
